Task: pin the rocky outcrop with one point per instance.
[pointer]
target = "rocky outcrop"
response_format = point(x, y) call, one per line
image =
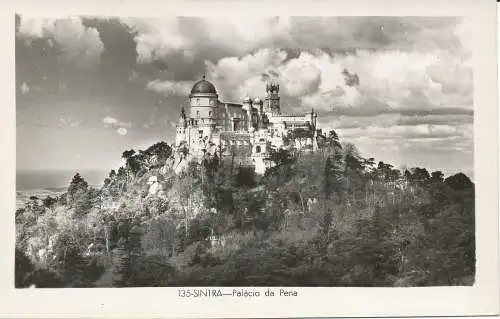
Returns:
point(154, 186)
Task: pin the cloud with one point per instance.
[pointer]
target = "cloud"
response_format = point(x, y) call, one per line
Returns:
point(109, 121)
point(380, 82)
point(236, 77)
point(235, 36)
point(406, 133)
point(80, 45)
point(391, 62)
point(68, 122)
point(170, 88)
point(122, 131)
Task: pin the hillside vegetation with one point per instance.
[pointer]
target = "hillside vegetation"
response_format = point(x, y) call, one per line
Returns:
point(328, 218)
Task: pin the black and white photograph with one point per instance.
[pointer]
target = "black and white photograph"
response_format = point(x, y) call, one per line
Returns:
point(271, 151)
point(250, 159)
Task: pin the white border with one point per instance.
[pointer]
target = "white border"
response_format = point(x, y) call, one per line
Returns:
point(481, 299)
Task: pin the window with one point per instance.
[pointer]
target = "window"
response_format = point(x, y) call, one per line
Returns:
point(200, 134)
point(210, 113)
point(257, 149)
point(197, 113)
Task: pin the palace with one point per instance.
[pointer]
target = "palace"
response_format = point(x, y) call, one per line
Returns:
point(245, 132)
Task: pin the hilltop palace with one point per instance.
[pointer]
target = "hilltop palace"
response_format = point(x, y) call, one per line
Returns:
point(246, 132)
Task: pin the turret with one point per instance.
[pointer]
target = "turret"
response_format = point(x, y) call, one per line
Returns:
point(181, 126)
point(247, 104)
point(247, 108)
point(313, 123)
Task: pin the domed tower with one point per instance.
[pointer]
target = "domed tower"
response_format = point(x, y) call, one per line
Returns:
point(272, 98)
point(203, 101)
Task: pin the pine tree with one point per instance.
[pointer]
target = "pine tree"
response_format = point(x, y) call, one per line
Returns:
point(78, 195)
point(77, 183)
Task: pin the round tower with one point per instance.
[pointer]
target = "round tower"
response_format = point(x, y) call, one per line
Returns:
point(203, 102)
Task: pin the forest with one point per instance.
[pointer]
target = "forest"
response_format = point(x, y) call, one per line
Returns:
point(325, 218)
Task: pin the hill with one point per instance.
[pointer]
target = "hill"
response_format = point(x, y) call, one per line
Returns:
point(328, 218)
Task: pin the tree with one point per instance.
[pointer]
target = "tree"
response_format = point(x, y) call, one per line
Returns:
point(78, 194)
point(437, 176)
point(353, 169)
point(161, 150)
point(128, 154)
point(419, 176)
point(77, 183)
point(332, 141)
point(49, 202)
point(245, 176)
point(459, 182)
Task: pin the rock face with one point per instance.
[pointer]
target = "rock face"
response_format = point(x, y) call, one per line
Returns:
point(154, 186)
point(180, 159)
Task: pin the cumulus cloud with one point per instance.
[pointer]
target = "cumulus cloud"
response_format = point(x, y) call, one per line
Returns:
point(380, 82)
point(158, 38)
point(235, 36)
point(237, 77)
point(79, 44)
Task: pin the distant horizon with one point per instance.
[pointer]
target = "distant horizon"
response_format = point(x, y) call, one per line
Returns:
point(35, 179)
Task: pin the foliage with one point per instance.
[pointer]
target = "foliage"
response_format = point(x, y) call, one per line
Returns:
point(328, 218)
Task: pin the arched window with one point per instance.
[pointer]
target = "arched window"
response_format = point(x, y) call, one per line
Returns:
point(257, 149)
point(197, 113)
point(210, 113)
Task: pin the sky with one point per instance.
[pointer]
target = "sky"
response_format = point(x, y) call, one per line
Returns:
point(88, 88)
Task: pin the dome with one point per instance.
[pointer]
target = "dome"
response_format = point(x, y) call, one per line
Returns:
point(203, 87)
